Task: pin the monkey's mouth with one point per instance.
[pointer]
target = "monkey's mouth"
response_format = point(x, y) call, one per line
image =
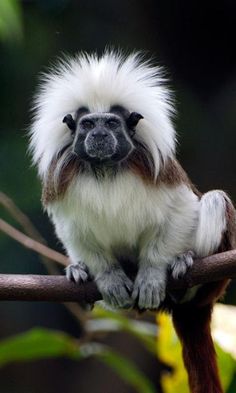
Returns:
point(103, 148)
point(100, 148)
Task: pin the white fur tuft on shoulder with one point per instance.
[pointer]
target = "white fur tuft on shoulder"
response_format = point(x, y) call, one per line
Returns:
point(98, 83)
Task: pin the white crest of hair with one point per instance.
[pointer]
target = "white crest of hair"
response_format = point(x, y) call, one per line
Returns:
point(98, 83)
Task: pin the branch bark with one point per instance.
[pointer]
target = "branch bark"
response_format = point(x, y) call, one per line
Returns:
point(59, 289)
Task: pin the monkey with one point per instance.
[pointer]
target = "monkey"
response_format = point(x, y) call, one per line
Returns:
point(126, 212)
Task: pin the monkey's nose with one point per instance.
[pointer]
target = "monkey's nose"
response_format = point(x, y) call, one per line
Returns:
point(99, 134)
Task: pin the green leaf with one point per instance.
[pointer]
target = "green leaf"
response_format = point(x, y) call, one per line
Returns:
point(227, 366)
point(10, 21)
point(43, 343)
point(37, 344)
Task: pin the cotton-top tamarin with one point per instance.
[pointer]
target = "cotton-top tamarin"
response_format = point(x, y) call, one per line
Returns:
point(123, 207)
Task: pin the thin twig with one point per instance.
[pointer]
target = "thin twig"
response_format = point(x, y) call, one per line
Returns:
point(20, 217)
point(29, 229)
point(33, 244)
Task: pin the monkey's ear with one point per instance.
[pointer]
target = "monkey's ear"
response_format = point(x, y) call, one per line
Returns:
point(71, 124)
point(133, 119)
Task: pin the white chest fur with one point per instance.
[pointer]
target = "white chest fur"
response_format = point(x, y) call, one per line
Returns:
point(102, 214)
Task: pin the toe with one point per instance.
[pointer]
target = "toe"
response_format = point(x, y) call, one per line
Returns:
point(181, 264)
point(76, 273)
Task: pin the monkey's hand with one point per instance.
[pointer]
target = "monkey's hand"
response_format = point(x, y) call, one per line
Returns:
point(115, 287)
point(181, 264)
point(77, 272)
point(149, 287)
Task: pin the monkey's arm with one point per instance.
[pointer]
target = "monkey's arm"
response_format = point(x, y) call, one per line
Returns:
point(167, 246)
point(112, 282)
point(90, 260)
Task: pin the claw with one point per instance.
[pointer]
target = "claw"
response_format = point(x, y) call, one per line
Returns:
point(181, 264)
point(77, 272)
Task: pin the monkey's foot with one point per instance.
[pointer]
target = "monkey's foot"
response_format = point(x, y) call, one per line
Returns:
point(77, 272)
point(115, 288)
point(181, 264)
point(149, 288)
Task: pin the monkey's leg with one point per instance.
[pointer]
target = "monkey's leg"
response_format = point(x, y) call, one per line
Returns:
point(212, 224)
point(150, 283)
point(111, 280)
point(163, 249)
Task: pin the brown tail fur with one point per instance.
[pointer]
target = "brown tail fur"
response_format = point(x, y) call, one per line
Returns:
point(192, 324)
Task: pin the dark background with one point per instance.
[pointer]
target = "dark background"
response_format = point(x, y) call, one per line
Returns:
point(195, 41)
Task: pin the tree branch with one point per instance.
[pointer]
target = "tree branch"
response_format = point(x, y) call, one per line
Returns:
point(58, 289)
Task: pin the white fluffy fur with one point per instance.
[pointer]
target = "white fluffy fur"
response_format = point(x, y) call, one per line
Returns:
point(212, 222)
point(98, 83)
point(97, 217)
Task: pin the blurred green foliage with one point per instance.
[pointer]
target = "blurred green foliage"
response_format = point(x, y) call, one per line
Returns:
point(11, 27)
point(41, 343)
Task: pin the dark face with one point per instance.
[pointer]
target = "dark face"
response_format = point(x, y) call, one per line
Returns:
point(103, 137)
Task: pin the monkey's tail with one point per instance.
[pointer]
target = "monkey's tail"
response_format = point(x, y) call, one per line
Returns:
point(192, 324)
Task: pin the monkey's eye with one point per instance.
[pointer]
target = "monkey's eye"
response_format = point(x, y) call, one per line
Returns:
point(112, 124)
point(87, 124)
